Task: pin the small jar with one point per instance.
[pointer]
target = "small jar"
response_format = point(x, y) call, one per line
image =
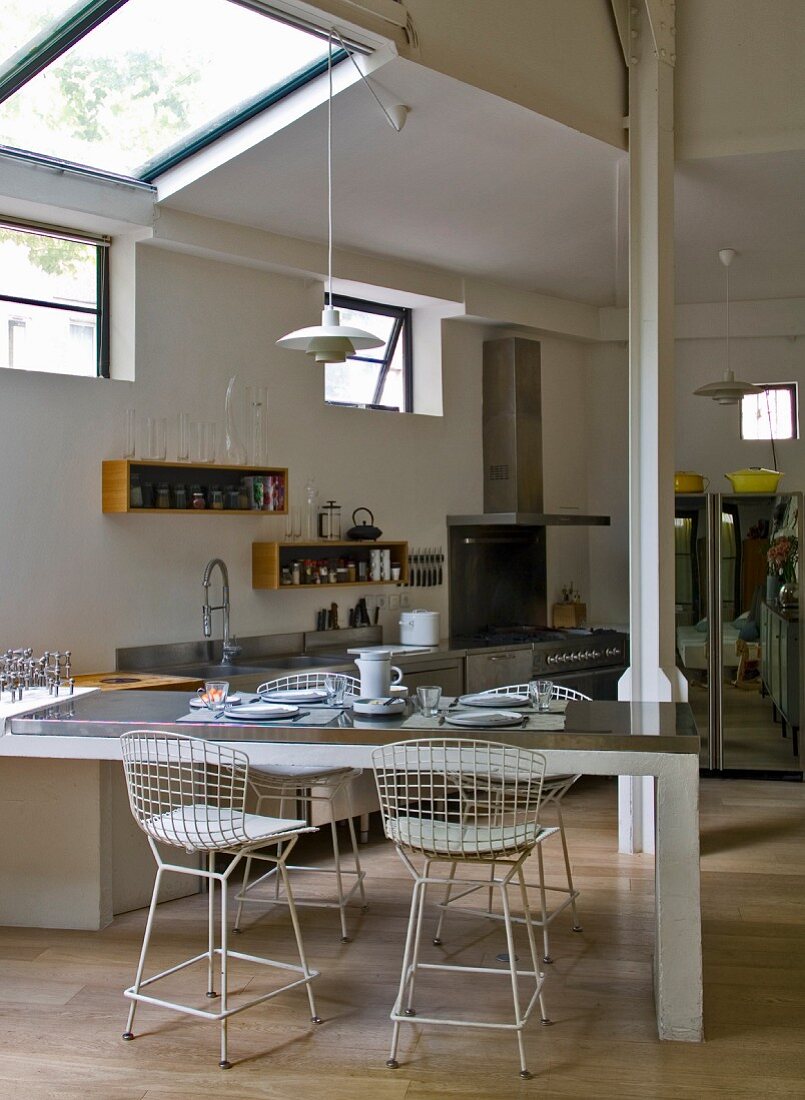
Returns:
point(332, 576)
point(231, 497)
point(352, 571)
point(243, 497)
point(296, 573)
point(197, 500)
point(135, 493)
point(285, 576)
point(163, 495)
point(179, 496)
point(217, 499)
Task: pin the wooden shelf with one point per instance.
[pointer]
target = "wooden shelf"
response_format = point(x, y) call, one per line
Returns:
point(269, 558)
point(117, 475)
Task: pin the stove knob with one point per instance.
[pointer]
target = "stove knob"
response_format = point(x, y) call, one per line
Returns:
point(574, 656)
point(550, 660)
point(595, 654)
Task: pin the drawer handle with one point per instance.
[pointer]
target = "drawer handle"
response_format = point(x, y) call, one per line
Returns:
point(502, 657)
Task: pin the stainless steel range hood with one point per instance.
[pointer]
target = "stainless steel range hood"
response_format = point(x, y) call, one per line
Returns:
point(512, 443)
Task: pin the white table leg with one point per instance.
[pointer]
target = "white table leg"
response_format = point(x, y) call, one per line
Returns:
point(364, 828)
point(678, 944)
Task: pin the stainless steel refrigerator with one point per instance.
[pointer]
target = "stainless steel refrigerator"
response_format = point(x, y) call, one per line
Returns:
point(736, 646)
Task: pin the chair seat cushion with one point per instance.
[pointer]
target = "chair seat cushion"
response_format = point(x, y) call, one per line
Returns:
point(203, 827)
point(299, 775)
point(455, 839)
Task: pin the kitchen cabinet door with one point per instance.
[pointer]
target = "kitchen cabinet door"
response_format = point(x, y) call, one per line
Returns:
point(499, 669)
point(449, 675)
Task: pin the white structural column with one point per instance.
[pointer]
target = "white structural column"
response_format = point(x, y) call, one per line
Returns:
point(648, 37)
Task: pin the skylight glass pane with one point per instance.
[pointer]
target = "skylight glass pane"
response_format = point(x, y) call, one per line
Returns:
point(379, 326)
point(150, 76)
point(353, 382)
point(21, 20)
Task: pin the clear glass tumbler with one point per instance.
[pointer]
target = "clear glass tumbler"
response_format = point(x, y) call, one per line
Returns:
point(213, 695)
point(129, 434)
point(540, 693)
point(335, 684)
point(183, 437)
point(428, 696)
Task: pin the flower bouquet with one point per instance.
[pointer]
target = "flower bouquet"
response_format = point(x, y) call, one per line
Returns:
point(782, 558)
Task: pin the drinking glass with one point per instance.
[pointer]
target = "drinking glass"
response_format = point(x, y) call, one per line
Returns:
point(540, 692)
point(296, 515)
point(335, 684)
point(428, 696)
point(288, 525)
point(160, 439)
point(208, 441)
point(183, 437)
point(129, 436)
point(213, 696)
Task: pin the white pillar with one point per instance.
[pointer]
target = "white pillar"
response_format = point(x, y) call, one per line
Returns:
point(649, 45)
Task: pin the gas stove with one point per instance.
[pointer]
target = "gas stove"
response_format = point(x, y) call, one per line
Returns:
point(558, 651)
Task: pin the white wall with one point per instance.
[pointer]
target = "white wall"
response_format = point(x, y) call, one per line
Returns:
point(74, 578)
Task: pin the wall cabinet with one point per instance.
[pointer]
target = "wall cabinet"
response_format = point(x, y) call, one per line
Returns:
point(123, 479)
point(271, 559)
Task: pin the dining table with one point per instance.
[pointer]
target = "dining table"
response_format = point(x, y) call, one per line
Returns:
point(606, 738)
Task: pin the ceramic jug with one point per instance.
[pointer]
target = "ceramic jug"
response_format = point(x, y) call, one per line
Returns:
point(376, 669)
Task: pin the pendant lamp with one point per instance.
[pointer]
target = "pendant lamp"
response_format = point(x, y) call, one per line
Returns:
point(332, 342)
point(729, 390)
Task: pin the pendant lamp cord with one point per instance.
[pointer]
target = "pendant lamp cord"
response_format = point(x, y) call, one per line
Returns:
point(330, 169)
point(727, 270)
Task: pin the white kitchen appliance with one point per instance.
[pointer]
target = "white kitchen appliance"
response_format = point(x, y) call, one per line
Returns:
point(419, 627)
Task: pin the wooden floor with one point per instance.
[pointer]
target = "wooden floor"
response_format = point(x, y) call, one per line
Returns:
point(62, 1013)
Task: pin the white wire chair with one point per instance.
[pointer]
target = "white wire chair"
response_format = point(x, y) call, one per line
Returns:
point(191, 793)
point(554, 789)
point(308, 785)
point(444, 801)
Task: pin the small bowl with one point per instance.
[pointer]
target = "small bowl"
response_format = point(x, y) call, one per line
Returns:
point(379, 707)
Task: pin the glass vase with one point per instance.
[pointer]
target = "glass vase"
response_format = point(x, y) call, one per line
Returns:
point(235, 451)
point(258, 425)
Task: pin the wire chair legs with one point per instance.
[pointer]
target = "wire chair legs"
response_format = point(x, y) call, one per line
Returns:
point(404, 1010)
point(219, 953)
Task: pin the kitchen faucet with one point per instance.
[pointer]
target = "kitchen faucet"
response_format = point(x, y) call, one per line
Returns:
point(230, 645)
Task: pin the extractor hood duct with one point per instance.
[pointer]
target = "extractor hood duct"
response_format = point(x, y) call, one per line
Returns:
point(512, 442)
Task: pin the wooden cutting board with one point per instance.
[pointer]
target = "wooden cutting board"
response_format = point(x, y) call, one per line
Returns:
point(142, 681)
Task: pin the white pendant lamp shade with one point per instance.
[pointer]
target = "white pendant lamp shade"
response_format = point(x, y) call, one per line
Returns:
point(329, 342)
point(729, 390)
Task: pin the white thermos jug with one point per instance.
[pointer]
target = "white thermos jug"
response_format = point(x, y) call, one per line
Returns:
point(376, 668)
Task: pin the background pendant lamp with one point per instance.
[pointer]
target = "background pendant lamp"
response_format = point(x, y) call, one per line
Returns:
point(332, 342)
point(729, 390)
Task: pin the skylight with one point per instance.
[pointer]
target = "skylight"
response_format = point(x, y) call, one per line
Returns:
point(150, 83)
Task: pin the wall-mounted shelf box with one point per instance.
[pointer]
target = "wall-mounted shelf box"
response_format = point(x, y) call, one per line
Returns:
point(269, 559)
point(117, 475)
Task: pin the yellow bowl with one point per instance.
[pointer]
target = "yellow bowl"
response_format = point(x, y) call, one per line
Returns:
point(754, 480)
point(687, 482)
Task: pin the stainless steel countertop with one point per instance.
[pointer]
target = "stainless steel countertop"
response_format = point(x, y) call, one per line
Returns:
point(594, 726)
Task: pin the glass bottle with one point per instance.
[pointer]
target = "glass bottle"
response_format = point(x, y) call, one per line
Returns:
point(258, 435)
point(311, 509)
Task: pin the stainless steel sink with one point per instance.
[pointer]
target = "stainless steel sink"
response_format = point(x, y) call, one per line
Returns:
point(302, 662)
point(217, 671)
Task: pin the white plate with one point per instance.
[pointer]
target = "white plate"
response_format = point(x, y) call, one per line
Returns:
point(262, 710)
point(378, 707)
point(231, 700)
point(507, 699)
point(490, 720)
point(295, 695)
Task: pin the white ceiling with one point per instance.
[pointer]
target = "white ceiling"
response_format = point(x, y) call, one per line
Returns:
point(480, 186)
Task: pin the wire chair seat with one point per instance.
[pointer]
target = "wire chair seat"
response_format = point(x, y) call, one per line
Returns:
point(436, 838)
point(201, 828)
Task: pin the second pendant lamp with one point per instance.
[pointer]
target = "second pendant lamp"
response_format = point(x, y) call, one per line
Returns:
point(729, 390)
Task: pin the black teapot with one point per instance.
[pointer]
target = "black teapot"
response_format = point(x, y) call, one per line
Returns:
point(363, 531)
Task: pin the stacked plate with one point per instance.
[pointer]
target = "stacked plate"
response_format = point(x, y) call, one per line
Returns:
point(261, 712)
point(490, 719)
point(499, 699)
point(296, 696)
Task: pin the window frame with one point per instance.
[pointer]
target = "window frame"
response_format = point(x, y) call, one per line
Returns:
point(402, 329)
point(102, 247)
point(791, 387)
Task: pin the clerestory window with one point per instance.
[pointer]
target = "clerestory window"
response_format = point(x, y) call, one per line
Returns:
point(771, 414)
point(54, 300)
point(379, 378)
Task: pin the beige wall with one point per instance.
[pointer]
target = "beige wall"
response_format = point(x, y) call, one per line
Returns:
point(77, 579)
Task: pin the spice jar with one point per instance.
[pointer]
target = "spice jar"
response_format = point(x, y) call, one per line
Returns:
point(179, 496)
point(197, 497)
point(243, 497)
point(135, 493)
point(217, 499)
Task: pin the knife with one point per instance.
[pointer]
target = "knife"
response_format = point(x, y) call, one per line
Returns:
point(441, 562)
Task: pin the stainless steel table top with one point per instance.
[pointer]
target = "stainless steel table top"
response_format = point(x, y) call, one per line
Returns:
point(597, 726)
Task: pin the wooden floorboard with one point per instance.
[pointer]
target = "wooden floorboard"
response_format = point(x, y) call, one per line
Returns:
point(62, 1012)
